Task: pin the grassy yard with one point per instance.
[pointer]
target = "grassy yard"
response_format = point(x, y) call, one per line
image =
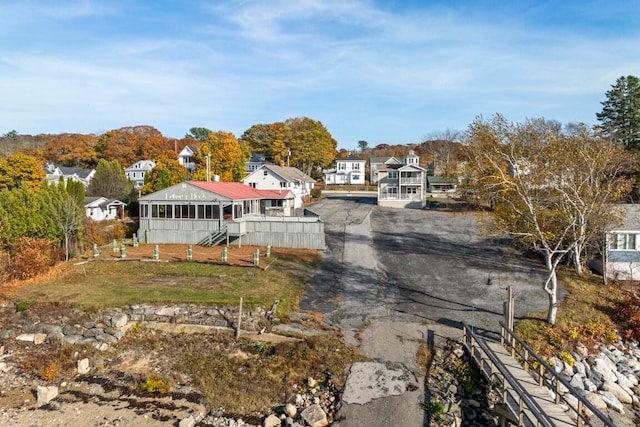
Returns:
point(587, 315)
point(119, 283)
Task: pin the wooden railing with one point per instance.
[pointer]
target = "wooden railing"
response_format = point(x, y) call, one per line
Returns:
point(547, 376)
point(518, 403)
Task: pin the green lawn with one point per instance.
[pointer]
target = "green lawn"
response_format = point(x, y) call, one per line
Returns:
point(119, 283)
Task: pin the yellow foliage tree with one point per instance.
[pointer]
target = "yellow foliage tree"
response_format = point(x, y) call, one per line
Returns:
point(226, 158)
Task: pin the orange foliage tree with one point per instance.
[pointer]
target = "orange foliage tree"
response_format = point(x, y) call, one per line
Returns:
point(127, 145)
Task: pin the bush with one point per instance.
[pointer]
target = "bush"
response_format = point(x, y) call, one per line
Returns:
point(628, 313)
point(28, 257)
point(155, 384)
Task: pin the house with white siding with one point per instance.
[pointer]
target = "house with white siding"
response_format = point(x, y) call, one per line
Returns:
point(101, 208)
point(282, 178)
point(347, 170)
point(136, 172)
point(402, 185)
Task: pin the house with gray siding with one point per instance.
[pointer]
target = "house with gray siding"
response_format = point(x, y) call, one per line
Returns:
point(209, 213)
point(622, 254)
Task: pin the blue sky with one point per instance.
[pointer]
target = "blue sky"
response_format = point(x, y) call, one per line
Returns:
point(382, 71)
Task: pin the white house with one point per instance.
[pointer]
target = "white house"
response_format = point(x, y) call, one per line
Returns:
point(622, 254)
point(402, 185)
point(136, 172)
point(377, 163)
point(272, 177)
point(185, 158)
point(256, 160)
point(54, 173)
point(101, 208)
point(348, 170)
point(440, 186)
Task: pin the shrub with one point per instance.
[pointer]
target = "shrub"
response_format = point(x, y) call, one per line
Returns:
point(628, 313)
point(49, 371)
point(435, 408)
point(566, 357)
point(155, 384)
point(29, 257)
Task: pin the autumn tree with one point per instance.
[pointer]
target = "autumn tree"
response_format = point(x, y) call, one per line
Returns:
point(620, 115)
point(127, 145)
point(270, 140)
point(70, 149)
point(22, 169)
point(167, 172)
point(226, 158)
point(110, 181)
point(538, 193)
point(312, 146)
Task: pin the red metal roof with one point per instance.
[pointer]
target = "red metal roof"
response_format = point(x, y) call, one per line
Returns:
point(238, 190)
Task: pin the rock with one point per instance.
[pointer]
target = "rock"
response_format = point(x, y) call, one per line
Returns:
point(371, 380)
point(271, 421)
point(577, 381)
point(314, 416)
point(473, 403)
point(291, 410)
point(39, 338)
point(617, 391)
point(83, 366)
point(611, 401)
point(312, 383)
point(4, 367)
point(187, 422)
point(596, 400)
point(46, 394)
point(605, 369)
point(26, 337)
point(589, 385)
point(580, 368)
point(119, 320)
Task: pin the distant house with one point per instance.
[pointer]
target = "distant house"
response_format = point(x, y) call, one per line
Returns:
point(402, 185)
point(185, 158)
point(622, 254)
point(440, 186)
point(348, 170)
point(136, 172)
point(282, 178)
point(256, 160)
point(210, 212)
point(101, 208)
point(54, 173)
point(377, 163)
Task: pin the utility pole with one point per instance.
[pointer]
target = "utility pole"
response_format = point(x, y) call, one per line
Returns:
point(208, 167)
point(288, 156)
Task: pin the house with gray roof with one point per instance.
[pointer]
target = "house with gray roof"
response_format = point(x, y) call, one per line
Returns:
point(54, 173)
point(378, 163)
point(282, 178)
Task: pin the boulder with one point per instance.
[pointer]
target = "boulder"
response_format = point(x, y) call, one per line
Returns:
point(611, 401)
point(46, 394)
point(617, 391)
point(271, 421)
point(83, 366)
point(291, 410)
point(187, 422)
point(314, 416)
point(119, 320)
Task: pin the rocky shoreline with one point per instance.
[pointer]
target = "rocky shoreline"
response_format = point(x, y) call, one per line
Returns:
point(455, 395)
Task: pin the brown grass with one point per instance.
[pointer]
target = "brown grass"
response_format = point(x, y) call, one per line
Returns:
point(587, 315)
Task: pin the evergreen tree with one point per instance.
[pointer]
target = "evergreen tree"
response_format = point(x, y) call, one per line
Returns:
point(620, 116)
point(110, 181)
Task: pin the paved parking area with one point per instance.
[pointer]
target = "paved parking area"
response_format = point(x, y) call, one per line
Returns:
point(392, 277)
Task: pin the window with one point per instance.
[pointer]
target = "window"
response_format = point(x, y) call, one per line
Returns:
point(392, 190)
point(393, 175)
point(412, 190)
point(342, 166)
point(252, 184)
point(265, 173)
point(356, 177)
point(623, 241)
point(283, 184)
point(356, 166)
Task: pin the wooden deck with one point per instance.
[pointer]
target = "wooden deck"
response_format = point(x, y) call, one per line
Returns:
point(552, 412)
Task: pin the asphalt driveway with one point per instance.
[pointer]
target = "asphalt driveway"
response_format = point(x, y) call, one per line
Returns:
point(420, 264)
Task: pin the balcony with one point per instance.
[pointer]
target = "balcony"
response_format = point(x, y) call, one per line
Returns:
point(401, 196)
point(411, 181)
